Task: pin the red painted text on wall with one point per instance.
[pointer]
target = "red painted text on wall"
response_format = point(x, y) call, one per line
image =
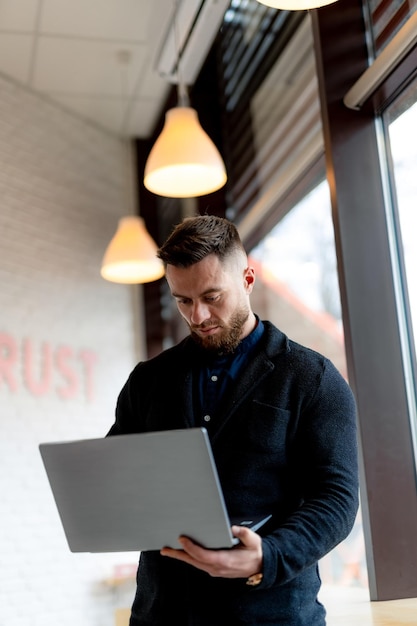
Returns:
point(44, 369)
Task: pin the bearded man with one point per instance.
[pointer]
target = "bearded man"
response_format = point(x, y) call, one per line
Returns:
point(282, 424)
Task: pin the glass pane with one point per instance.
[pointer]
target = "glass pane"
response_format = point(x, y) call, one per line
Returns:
point(297, 261)
point(401, 119)
point(297, 289)
point(300, 252)
point(404, 159)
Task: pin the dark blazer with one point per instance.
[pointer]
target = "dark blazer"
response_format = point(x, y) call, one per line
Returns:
point(284, 443)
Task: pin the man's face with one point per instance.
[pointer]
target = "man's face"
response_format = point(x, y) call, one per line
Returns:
point(213, 299)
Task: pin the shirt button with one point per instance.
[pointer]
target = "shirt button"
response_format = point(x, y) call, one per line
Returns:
point(207, 418)
point(214, 378)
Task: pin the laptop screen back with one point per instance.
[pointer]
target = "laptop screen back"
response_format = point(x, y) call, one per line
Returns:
point(137, 492)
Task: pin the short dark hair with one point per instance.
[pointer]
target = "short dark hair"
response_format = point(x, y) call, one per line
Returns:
point(196, 237)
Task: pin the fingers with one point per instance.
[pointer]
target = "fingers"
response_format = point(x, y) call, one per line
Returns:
point(179, 555)
point(214, 562)
point(237, 562)
point(247, 537)
point(190, 549)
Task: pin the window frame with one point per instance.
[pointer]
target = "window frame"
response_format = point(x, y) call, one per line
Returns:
point(368, 295)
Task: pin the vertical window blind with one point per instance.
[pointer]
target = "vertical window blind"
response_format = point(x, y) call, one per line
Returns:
point(386, 17)
point(272, 119)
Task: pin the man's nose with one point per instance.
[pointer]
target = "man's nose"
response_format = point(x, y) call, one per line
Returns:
point(199, 313)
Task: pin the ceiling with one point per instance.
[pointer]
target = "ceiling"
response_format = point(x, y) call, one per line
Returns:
point(96, 58)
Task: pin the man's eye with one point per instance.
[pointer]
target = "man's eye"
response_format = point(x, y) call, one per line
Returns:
point(211, 298)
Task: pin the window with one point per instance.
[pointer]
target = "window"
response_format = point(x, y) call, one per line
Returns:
point(297, 289)
point(400, 120)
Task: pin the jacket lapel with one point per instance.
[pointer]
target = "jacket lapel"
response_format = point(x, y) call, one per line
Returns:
point(259, 366)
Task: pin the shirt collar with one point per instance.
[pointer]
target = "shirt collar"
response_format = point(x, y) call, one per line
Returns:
point(252, 339)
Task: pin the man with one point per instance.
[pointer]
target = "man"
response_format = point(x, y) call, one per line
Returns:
point(282, 424)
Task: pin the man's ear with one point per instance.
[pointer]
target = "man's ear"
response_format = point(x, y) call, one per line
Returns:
point(249, 276)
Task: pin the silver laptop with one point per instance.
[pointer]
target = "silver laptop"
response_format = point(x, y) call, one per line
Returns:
point(139, 492)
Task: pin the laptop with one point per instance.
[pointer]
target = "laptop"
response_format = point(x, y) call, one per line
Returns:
point(139, 492)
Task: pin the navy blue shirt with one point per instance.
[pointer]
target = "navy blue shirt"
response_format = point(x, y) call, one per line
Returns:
point(215, 373)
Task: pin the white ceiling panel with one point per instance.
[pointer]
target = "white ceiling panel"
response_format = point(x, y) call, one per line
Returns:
point(85, 67)
point(16, 55)
point(143, 115)
point(69, 50)
point(151, 84)
point(108, 113)
point(124, 20)
point(18, 15)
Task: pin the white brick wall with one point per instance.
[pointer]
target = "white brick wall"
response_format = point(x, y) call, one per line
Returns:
point(67, 344)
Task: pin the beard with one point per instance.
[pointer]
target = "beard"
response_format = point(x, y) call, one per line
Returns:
point(227, 340)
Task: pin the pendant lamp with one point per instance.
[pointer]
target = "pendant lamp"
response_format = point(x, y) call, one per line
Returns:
point(184, 162)
point(296, 5)
point(131, 254)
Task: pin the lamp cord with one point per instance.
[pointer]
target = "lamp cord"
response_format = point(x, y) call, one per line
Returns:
point(124, 57)
point(182, 90)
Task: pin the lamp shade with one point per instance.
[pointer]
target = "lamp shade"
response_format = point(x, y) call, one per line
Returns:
point(131, 254)
point(184, 162)
point(295, 5)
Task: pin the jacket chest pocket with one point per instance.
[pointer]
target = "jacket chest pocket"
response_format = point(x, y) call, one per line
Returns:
point(267, 431)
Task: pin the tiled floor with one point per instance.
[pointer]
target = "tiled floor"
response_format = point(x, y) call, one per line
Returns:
point(348, 606)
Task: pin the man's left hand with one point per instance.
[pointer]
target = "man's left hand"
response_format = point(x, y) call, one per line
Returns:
point(241, 561)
